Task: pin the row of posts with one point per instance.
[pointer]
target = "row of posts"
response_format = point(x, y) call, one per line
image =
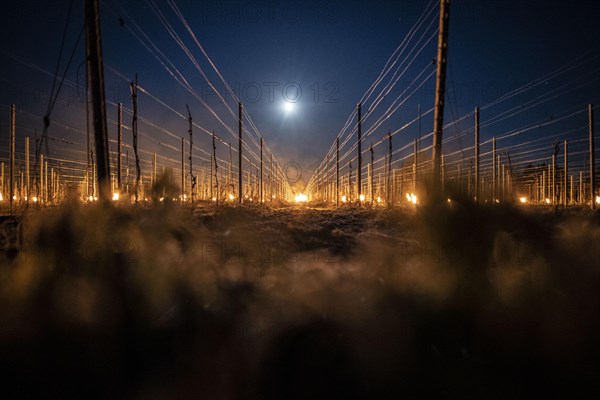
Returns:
point(16, 185)
point(395, 186)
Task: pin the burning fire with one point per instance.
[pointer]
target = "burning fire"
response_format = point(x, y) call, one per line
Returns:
point(411, 197)
point(301, 198)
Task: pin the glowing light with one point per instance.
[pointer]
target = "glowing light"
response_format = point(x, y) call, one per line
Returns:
point(1, 198)
point(412, 198)
point(231, 197)
point(14, 197)
point(95, 198)
point(115, 196)
point(344, 199)
point(379, 199)
point(35, 199)
point(161, 199)
point(547, 201)
point(91, 198)
point(301, 198)
point(361, 197)
point(288, 106)
point(598, 199)
point(449, 200)
point(523, 200)
point(214, 199)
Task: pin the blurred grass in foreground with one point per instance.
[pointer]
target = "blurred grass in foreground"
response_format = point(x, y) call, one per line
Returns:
point(453, 302)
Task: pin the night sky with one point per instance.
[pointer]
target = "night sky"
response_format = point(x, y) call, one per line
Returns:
point(325, 54)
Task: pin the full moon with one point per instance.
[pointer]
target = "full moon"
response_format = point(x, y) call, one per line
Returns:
point(288, 107)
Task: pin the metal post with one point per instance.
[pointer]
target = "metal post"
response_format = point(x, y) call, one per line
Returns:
point(11, 167)
point(182, 169)
point(504, 179)
point(216, 167)
point(229, 176)
point(581, 197)
point(240, 153)
point(371, 171)
point(393, 201)
point(566, 175)
point(440, 88)
point(549, 183)
point(494, 170)
point(27, 181)
point(415, 166)
point(41, 178)
point(499, 172)
point(359, 160)
point(119, 143)
point(271, 177)
point(389, 163)
point(261, 171)
point(571, 191)
point(134, 88)
point(52, 185)
point(21, 187)
point(592, 163)
point(553, 178)
point(477, 154)
point(544, 185)
point(349, 180)
point(46, 180)
point(192, 177)
point(337, 171)
point(127, 171)
point(96, 73)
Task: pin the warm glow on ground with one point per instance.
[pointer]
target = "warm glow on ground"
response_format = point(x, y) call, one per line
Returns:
point(301, 198)
point(411, 197)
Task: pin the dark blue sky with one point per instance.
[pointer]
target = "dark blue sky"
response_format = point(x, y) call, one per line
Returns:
point(331, 50)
